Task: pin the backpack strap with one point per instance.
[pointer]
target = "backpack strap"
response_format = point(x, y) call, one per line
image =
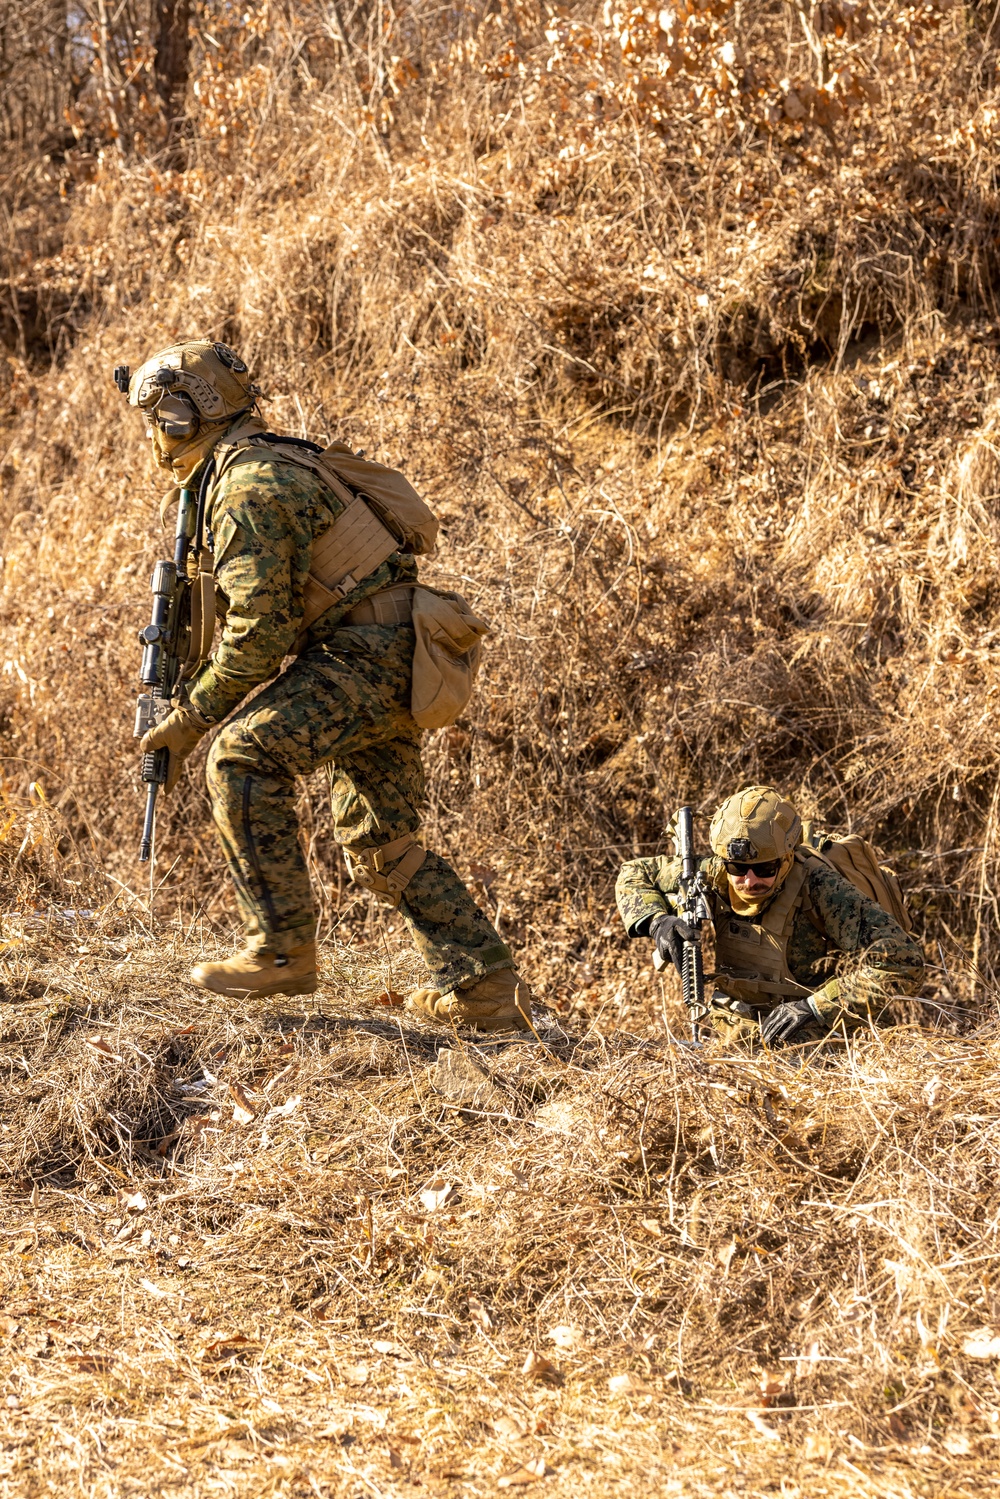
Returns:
point(347, 552)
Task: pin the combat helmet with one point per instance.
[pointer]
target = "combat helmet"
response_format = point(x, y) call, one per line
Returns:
point(754, 825)
point(189, 386)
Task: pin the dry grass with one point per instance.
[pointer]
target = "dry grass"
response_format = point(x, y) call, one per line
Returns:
point(254, 1250)
point(711, 416)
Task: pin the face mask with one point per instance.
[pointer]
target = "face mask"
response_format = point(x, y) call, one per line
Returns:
point(180, 456)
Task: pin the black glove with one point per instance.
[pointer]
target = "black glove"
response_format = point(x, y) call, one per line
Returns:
point(783, 1023)
point(670, 933)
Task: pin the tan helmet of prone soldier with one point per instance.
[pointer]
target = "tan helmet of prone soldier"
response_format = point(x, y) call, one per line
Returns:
point(755, 825)
point(188, 394)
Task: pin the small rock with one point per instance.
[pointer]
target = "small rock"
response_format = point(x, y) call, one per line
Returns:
point(464, 1083)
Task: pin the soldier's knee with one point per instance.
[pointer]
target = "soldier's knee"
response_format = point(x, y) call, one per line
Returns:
point(230, 755)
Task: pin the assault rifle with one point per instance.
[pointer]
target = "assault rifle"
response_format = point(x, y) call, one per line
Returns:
point(166, 643)
point(177, 638)
point(694, 910)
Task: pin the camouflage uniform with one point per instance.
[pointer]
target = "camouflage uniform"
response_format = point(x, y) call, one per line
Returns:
point(846, 950)
point(341, 704)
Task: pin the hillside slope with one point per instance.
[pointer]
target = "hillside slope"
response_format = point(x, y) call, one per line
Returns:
point(686, 323)
point(708, 410)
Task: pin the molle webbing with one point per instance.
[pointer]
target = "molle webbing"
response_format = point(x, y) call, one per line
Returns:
point(344, 555)
point(354, 546)
point(390, 606)
point(751, 957)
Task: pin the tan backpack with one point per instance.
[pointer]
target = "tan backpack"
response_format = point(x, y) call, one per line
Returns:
point(860, 862)
point(382, 514)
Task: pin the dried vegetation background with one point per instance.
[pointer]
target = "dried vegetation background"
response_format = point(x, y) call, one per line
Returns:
point(686, 322)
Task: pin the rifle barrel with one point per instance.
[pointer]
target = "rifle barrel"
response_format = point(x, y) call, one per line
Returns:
point(685, 843)
point(146, 843)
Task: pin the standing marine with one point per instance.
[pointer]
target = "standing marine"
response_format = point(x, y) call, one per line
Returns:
point(309, 565)
point(801, 952)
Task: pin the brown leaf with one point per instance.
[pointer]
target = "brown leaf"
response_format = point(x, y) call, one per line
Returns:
point(652, 1227)
point(167, 1141)
point(356, 1374)
point(244, 1111)
point(282, 1051)
point(776, 1388)
point(92, 1363)
point(537, 1366)
point(390, 999)
point(132, 1202)
point(531, 1472)
point(228, 1348)
point(98, 1044)
point(437, 1194)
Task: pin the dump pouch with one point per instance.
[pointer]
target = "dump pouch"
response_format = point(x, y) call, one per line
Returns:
point(446, 656)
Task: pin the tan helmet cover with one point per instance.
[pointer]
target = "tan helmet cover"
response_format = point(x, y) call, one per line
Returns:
point(755, 824)
point(211, 375)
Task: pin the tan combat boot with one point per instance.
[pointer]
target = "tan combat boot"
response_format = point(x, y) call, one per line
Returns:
point(499, 1002)
point(260, 971)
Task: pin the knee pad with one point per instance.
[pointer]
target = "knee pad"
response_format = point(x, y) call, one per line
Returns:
point(366, 865)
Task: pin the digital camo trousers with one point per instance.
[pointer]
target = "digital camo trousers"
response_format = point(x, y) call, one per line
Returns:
point(341, 706)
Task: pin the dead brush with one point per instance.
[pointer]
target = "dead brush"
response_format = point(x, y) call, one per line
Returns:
point(770, 1258)
point(708, 413)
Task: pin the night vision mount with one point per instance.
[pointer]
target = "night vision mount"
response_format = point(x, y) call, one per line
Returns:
point(122, 376)
point(741, 850)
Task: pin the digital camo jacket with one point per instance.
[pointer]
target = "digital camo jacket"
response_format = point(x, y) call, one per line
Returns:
point(843, 936)
point(263, 520)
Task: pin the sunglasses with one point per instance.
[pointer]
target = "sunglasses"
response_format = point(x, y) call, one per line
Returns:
point(764, 870)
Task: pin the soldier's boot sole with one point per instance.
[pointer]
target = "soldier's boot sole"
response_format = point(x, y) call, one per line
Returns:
point(245, 991)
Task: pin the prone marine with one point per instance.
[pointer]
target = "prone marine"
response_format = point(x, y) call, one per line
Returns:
point(801, 953)
point(307, 564)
